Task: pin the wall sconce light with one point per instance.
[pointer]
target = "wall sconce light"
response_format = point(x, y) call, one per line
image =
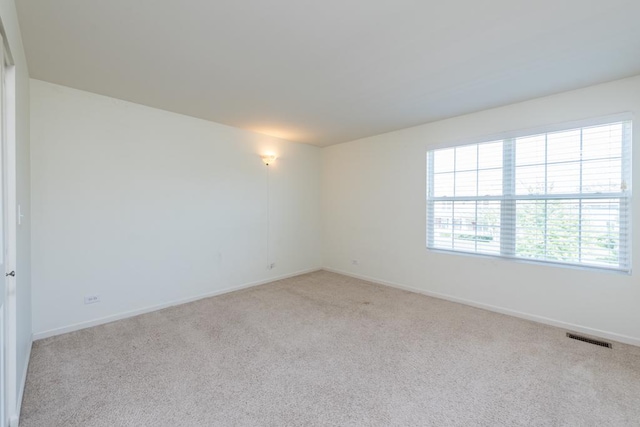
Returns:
point(268, 158)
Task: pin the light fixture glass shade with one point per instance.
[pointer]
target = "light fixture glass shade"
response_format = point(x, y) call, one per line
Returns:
point(268, 158)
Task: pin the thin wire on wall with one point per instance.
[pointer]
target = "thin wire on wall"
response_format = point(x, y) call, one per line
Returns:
point(268, 220)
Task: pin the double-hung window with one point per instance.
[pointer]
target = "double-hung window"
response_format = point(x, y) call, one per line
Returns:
point(561, 196)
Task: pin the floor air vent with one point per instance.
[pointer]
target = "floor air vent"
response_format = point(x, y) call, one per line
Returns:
point(589, 340)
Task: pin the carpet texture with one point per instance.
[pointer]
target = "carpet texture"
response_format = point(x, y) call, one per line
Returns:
point(323, 349)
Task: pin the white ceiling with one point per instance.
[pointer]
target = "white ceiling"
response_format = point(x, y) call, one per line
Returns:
point(329, 71)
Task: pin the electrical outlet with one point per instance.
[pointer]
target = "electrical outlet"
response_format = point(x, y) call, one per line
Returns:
point(355, 262)
point(91, 299)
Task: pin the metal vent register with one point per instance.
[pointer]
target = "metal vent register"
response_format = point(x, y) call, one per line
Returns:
point(589, 340)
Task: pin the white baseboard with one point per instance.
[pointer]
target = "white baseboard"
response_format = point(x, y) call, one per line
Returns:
point(535, 318)
point(137, 312)
point(15, 419)
point(540, 319)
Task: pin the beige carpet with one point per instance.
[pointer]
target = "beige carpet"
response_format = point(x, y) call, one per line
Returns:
point(327, 350)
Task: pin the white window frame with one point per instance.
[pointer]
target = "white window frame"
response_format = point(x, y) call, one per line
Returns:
point(508, 222)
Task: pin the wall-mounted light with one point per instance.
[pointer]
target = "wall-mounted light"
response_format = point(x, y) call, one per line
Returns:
point(268, 158)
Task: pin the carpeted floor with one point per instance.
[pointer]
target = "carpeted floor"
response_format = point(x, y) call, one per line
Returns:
point(327, 350)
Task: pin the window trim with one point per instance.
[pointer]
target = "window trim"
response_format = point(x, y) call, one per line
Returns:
point(536, 130)
point(573, 266)
point(506, 251)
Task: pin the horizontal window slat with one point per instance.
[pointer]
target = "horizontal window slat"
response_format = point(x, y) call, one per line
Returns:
point(570, 196)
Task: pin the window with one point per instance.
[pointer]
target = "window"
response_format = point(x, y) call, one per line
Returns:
point(559, 197)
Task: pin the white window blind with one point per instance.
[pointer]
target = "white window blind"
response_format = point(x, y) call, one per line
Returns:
point(558, 197)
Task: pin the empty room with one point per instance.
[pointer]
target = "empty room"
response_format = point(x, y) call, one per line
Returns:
point(331, 213)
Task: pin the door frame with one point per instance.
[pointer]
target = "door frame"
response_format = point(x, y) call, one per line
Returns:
point(8, 117)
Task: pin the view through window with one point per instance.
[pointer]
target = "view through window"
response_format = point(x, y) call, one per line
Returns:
point(560, 197)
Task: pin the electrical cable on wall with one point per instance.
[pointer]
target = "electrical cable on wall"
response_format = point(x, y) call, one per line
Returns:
point(268, 220)
point(268, 159)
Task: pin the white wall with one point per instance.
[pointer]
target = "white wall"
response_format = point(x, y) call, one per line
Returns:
point(144, 207)
point(10, 24)
point(374, 211)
